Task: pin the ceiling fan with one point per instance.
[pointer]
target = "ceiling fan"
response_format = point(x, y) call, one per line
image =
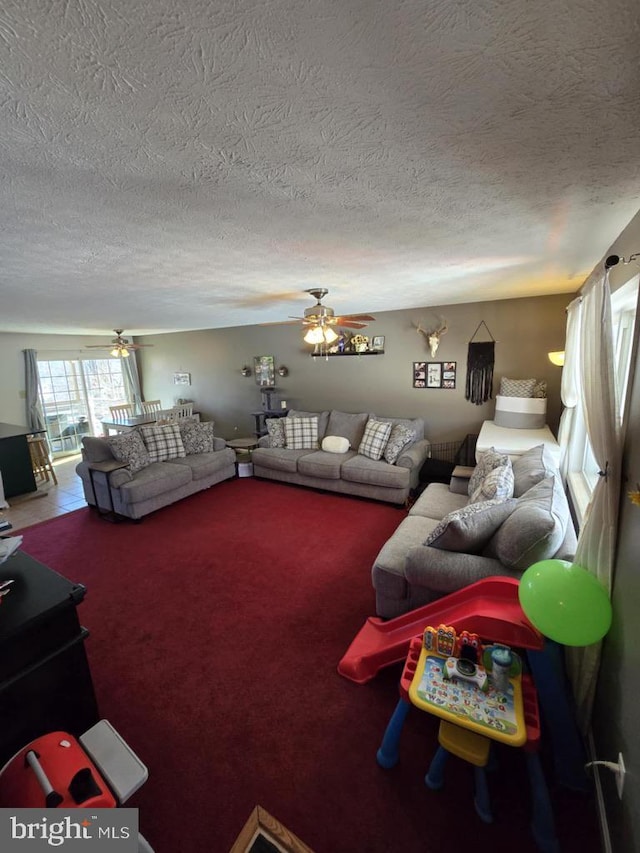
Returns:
point(319, 319)
point(119, 346)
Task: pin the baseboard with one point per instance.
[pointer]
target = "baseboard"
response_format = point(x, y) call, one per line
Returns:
point(600, 804)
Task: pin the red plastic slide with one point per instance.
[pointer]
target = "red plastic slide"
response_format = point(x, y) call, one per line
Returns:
point(489, 608)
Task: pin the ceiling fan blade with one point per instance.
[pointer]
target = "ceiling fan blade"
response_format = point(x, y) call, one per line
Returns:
point(364, 318)
point(349, 324)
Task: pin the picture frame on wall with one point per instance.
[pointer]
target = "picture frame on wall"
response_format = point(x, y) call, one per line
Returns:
point(377, 343)
point(182, 379)
point(419, 374)
point(434, 374)
point(449, 374)
point(264, 370)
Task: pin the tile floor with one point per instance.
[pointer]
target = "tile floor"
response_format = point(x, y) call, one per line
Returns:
point(50, 500)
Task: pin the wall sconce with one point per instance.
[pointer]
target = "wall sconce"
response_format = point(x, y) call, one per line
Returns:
point(556, 358)
point(283, 371)
point(246, 370)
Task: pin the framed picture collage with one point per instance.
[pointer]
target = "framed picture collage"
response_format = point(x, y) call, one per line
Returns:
point(434, 374)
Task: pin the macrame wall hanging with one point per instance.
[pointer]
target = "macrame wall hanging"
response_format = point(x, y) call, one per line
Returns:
point(480, 361)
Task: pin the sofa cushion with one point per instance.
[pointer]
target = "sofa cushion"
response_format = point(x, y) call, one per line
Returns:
point(277, 458)
point(323, 464)
point(438, 500)
point(400, 436)
point(203, 465)
point(347, 425)
point(96, 449)
point(323, 420)
point(130, 448)
point(497, 484)
point(335, 444)
point(361, 469)
point(489, 460)
point(196, 437)
point(275, 428)
point(155, 479)
point(301, 433)
point(374, 440)
point(163, 442)
point(411, 531)
point(470, 528)
point(535, 529)
point(530, 468)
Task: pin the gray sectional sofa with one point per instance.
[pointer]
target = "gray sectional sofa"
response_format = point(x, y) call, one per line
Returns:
point(453, 536)
point(348, 471)
point(145, 485)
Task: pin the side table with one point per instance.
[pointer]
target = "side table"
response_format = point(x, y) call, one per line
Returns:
point(243, 448)
point(105, 468)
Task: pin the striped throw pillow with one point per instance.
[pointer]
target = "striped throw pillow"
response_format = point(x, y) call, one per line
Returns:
point(374, 440)
point(301, 433)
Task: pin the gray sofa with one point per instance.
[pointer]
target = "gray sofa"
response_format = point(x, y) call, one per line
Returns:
point(137, 491)
point(501, 536)
point(349, 472)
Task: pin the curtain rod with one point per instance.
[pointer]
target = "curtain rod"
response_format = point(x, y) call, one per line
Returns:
point(612, 260)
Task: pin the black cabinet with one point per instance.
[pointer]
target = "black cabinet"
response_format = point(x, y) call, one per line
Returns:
point(45, 682)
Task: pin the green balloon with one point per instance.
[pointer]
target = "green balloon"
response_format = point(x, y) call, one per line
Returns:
point(565, 602)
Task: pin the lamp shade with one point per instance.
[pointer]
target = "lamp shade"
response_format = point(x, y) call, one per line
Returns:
point(565, 602)
point(556, 358)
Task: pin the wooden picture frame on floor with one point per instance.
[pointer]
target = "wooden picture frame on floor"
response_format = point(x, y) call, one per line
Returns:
point(262, 833)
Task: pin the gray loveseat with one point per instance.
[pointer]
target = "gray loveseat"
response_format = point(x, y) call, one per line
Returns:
point(146, 485)
point(501, 536)
point(348, 471)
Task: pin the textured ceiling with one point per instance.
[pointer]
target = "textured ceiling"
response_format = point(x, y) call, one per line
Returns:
point(189, 164)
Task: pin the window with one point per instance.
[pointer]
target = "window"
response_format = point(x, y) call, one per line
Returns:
point(583, 468)
point(76, 395)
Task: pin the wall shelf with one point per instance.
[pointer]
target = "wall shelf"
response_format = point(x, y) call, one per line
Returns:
point(344, 354)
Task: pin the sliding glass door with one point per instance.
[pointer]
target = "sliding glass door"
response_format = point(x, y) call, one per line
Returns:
point(76, 395)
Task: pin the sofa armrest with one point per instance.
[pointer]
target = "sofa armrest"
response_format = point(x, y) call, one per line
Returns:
point(459, 483)
point(447, 571)
point(413, 459)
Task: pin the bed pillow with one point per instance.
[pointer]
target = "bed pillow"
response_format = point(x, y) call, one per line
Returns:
point(163, 442)
point(130, 448)
point(374, 440)
point(275, 429)
point(301, 433)
point(400, 437)
point(196, 437)
point(470, 528)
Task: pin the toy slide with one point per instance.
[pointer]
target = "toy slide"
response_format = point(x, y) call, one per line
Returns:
point(489, 608)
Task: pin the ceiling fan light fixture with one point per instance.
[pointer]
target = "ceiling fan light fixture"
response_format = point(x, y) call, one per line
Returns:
point(314, 335)
point(329, 335)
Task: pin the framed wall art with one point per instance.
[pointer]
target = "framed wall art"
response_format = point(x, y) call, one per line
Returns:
point(434, 374)
point(182, 379)
point(419, 374)
point(265, 370)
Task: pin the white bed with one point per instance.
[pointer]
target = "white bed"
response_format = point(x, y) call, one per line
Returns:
point(515, 441)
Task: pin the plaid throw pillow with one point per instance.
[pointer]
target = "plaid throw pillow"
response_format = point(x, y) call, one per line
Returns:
point(301, 433)
point(374, 440)
point(163, 442)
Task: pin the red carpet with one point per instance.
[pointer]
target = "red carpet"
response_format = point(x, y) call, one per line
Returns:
point(216, 627)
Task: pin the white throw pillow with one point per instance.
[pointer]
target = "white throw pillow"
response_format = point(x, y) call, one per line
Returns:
point(335, 444)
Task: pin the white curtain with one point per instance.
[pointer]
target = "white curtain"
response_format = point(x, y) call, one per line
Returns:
point(570, 383)
point(597, 538)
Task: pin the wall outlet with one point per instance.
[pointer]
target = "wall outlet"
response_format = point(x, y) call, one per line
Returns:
point(620, 774)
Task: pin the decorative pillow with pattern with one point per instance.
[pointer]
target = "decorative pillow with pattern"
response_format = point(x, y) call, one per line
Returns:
point(489, 460)
point(400, 436)
point(275, 428)
point(517, 387)
point(301, 433)
point(374, 440)
point(498, 484)
point(196, 437)
point(469, 529)
point(130, 448)
point(540, 388)
point(163, 442)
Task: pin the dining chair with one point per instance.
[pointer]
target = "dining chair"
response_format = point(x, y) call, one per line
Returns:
point(185, 410)
point(150, 407)
point(122, 411)
point(41, 459)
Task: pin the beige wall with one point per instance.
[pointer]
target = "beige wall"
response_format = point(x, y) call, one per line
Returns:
point(525, 330)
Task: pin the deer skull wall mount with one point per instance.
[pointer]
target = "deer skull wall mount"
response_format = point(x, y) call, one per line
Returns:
point(433, 335)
